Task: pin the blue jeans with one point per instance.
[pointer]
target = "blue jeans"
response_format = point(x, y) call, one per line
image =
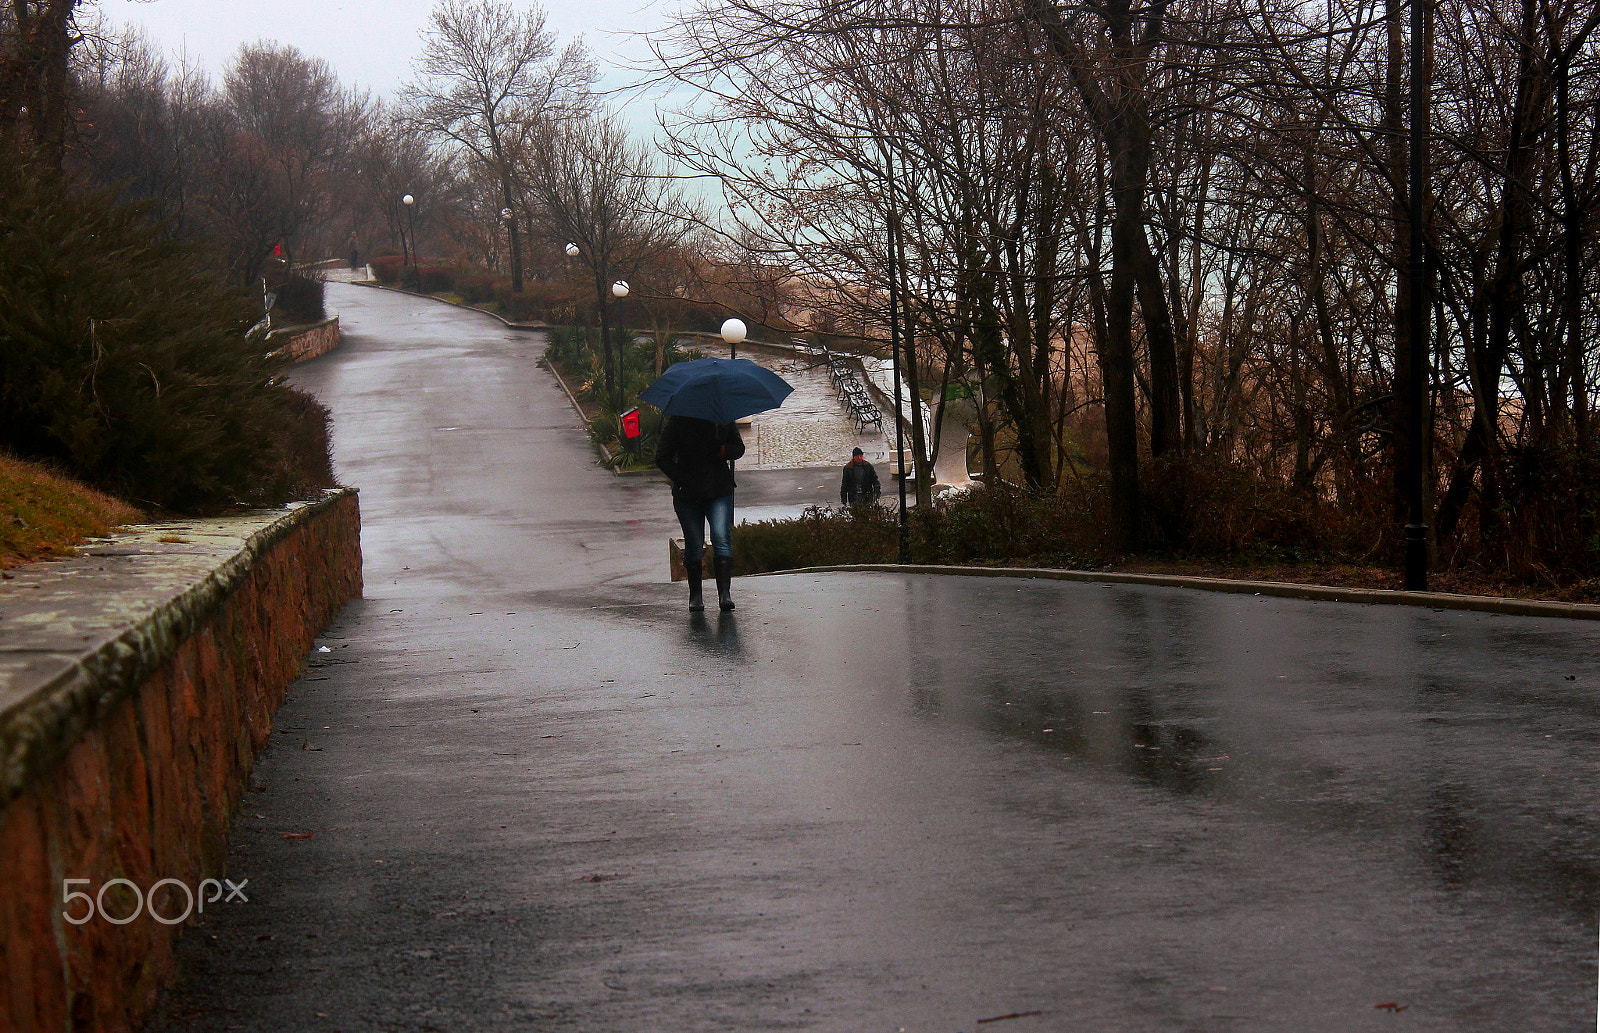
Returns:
point(693, 517)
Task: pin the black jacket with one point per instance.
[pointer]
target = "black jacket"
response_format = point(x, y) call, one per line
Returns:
point(860, 481)
point(697, 457)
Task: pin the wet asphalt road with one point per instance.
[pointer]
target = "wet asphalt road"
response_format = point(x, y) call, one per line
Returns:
point(539, 796)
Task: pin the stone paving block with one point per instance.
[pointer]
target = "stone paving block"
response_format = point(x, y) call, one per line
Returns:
point(812, 428)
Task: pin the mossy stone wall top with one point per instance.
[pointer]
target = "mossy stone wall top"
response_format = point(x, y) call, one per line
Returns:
point(79, 635)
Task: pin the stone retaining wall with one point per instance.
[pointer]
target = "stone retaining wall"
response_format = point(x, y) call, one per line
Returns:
point(306, 342)
point(137, 682)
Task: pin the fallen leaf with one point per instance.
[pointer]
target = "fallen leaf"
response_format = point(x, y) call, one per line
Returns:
point(298, 835)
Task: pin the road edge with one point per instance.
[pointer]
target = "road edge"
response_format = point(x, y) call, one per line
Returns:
point(1281, 589)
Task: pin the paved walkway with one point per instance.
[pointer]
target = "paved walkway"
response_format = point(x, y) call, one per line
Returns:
point(811, 428)
point(524, 790)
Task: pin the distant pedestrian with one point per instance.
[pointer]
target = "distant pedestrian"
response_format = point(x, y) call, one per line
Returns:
point(697, 457)
point(355, 253)
point(860, 481)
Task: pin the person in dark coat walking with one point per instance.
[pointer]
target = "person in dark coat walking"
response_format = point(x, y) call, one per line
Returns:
point(697, 457)
point(860, 481)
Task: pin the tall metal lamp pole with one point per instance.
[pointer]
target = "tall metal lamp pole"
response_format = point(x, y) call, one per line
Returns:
point(1416, 559)
point(411, 219)
point(895, 344)
point(620, 290)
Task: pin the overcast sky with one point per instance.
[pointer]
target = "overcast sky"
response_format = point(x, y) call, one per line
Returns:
point(370, 43)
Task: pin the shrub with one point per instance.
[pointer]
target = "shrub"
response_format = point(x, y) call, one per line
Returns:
point(475, 288)
point(128, 363)
point(300, 300)
point(818, 537)
point(999, 524)
point(1547, 523)
point(536, 302)
point(435, 279)
point(386, 268)
point(988, 525)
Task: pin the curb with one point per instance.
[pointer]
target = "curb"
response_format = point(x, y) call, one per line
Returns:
point(550, 367)
point(1323, 593)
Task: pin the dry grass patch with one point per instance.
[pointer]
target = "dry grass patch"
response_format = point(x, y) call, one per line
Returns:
point(44, 514)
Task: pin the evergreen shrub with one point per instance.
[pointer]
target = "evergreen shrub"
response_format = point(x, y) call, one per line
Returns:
point(126, 361)
point(300, 300)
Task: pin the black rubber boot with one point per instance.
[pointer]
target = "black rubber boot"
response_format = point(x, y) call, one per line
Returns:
point(692, 572)
point(723, 566)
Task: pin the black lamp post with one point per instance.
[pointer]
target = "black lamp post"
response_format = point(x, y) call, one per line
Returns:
point(619, 290)
point(894, 348)
point(411, 220)
point(506, 216)
point(1416, 387)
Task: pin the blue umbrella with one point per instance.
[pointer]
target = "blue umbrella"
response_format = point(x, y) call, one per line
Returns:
point(719, 390)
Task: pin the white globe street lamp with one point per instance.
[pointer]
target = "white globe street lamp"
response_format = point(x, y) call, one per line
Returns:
point(733, 331)
point(620, 290)
point(505, 217)
point(572, 250)
point(411, 218)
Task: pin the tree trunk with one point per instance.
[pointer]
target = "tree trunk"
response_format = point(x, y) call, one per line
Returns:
point(1486, 363)
point(1113, 89)
point(1166, 400)
point(1117, 369)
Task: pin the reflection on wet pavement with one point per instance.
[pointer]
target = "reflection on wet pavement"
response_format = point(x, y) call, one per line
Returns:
point(717, 634)
point(1148, 687)
point(550, 798)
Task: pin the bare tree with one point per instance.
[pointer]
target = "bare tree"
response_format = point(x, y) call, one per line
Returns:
point(393, 159)
point(1112, 51)
point(944, 127)
point(294, 117)
point(587, 184)
point(488, 76)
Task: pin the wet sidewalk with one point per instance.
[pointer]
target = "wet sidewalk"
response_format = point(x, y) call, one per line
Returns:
point(811, 428)
point(525, 790)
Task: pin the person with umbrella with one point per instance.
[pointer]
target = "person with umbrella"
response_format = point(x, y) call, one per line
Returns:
point(699, 443)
